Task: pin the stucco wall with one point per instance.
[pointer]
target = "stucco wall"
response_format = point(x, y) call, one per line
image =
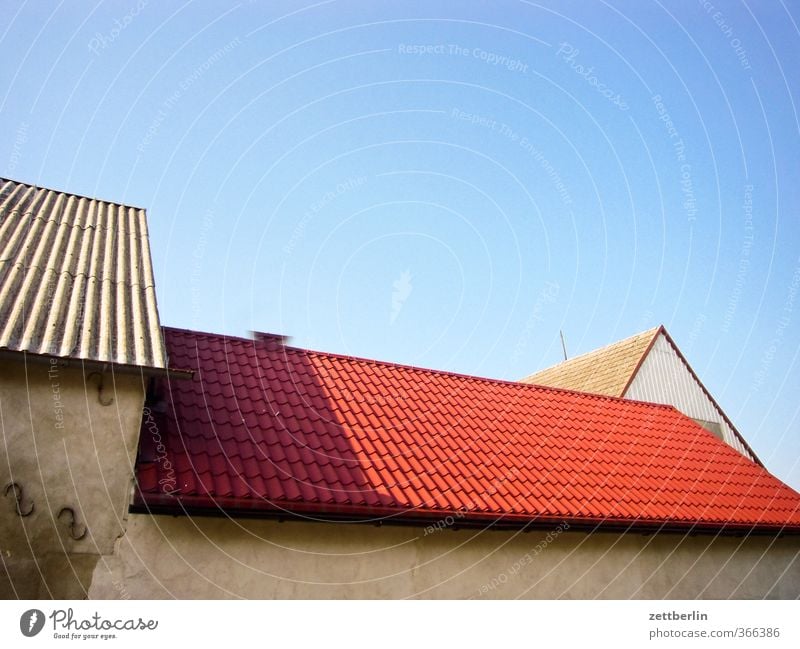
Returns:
point(67, 450)
point(64, 449)
point(162, 556)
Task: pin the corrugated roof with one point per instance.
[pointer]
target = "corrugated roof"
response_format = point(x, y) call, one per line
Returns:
point(606, 371)
point(267, 429)
point(76, 279)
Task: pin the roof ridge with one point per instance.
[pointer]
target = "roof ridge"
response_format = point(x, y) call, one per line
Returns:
point(417, 368)
point(3, 179)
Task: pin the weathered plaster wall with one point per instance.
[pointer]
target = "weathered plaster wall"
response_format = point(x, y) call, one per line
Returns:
point(64, 449)
point(67, 450)
point(180, 557)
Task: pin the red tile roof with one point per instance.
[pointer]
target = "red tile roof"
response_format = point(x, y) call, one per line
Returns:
point(267, 429)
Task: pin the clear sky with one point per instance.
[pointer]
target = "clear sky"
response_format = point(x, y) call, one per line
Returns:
point(445, 184)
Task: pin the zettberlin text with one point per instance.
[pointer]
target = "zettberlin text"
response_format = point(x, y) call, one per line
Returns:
point(674, 615)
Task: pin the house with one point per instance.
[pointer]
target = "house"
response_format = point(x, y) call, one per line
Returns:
point(266, 470)
point(79, 337)
point(648, 367)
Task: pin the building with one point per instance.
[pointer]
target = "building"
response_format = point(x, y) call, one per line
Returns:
point(265, 470)
point(647, 367)
point(79, 337)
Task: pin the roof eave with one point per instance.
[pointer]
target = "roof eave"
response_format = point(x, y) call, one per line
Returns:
point(158, 504)
point(26, 357)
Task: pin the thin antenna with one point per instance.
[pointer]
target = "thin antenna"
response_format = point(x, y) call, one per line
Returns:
point(563, 344)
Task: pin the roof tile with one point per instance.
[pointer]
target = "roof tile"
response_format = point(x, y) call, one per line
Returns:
point(517, 450)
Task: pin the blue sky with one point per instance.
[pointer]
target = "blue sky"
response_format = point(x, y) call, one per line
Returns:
point(444, 184)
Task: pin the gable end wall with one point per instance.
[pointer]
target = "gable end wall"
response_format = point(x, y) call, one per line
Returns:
point(664, 378)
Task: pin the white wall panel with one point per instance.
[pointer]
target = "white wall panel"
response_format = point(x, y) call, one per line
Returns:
point(664, 378)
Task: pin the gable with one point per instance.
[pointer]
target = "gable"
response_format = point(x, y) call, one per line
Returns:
point(665, 377)
point(605, 371)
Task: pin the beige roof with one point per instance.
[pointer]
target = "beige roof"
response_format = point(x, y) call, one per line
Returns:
point(76, 279)
point(605, 371)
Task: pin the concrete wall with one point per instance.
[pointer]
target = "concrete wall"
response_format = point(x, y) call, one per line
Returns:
point(64, 449)
point(163, 557)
